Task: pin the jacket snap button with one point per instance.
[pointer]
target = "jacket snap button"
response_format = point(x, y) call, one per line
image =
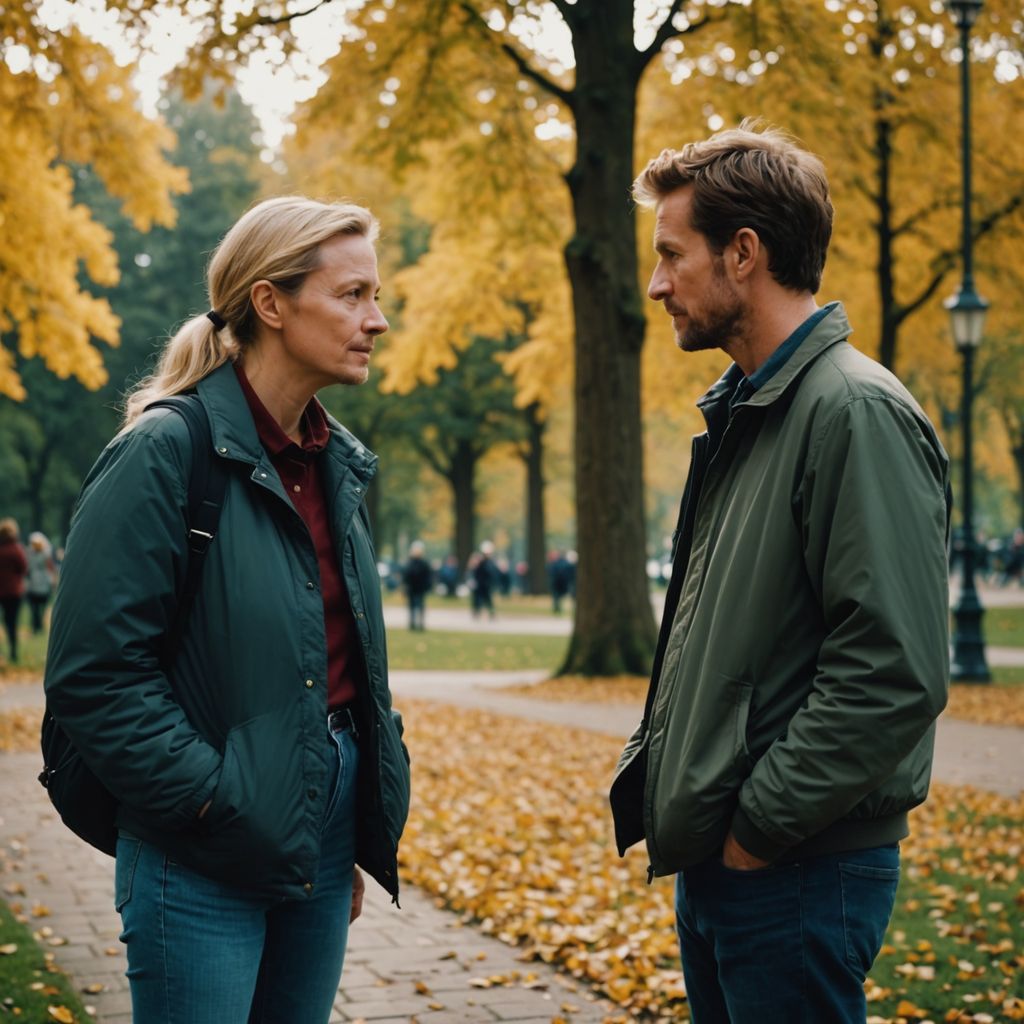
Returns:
point(223, 451)
point(359, 490)
point(310, 684)
point(308, 887)
point(311, 793)
point(309, 585)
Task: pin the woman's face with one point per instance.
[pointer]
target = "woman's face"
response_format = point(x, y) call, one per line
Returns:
point(329, 326)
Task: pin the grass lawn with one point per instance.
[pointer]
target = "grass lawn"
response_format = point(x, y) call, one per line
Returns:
point(33, 989)
point(514, 604)
point(31, 653)
point(1004, 627)
point(494, 652)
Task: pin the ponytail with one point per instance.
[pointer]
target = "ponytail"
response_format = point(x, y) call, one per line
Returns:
point(195, 351)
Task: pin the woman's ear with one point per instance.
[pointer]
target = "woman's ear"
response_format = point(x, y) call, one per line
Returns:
point(266, 301)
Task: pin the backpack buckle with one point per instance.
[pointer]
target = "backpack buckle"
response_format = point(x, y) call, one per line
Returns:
point(199, 541)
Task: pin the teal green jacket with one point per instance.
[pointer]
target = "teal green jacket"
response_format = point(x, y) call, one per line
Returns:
point(804, 654)
point(239, 718)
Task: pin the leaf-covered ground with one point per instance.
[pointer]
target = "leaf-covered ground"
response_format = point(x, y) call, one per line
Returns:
point(31, 987)
point(1000, 704)
point(510, 827)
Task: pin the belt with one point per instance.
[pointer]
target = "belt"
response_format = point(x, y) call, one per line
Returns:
point(342, 720)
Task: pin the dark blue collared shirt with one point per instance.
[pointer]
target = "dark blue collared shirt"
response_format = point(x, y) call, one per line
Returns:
point(736, 388)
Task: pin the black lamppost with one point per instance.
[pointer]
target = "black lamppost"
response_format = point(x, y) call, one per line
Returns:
point(967, 312)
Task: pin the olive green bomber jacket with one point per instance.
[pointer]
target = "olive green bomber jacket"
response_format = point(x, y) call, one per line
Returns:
point(239, 718)
point(806, 658)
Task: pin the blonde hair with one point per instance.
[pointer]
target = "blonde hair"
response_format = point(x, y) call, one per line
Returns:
point(8, 530)
point(278, 240)
point(753, 177)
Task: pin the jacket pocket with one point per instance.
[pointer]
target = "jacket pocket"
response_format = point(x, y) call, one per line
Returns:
point(128, 850)
point(255, 821)
point(701, 766)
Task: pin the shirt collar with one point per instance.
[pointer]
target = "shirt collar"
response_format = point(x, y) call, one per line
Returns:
point(315, 431)
point(780, 356)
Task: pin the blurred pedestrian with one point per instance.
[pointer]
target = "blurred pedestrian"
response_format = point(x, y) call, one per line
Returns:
point(448, 576)
point(418, 578)
point(483, 575)
point(42, 578)
point(13, 570)
point(559, 578)
point(803, 655)
point(256, 763)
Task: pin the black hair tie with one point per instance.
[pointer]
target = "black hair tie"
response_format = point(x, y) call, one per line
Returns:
point(219, 323)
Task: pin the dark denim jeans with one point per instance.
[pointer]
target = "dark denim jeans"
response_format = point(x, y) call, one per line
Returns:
point(787, 945)
point(204, 952)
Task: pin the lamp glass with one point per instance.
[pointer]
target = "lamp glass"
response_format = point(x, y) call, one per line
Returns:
point(968, 325)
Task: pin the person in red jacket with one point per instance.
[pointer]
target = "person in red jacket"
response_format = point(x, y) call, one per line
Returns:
point(13, 570)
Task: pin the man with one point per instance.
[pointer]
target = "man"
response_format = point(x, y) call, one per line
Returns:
point(418, 578)
point(803, 656)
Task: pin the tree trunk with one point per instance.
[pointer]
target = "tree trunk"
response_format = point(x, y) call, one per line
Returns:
point(536, 546)
point(889, 325)
point(462, 478)
point(1017, 450)
point(614, 630)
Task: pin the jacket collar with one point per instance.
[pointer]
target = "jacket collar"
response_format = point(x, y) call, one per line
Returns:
point(834, 328)
point(235, 436)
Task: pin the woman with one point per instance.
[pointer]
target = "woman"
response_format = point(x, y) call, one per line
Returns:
point(13, 568)
point(261, 760)
point(42, 575)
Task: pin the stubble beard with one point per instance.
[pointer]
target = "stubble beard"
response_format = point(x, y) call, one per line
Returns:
point(720, 323)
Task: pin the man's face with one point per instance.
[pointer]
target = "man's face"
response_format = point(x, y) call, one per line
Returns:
point(690, 279)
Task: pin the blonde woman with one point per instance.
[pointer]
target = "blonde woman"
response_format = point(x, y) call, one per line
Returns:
point(263, 761)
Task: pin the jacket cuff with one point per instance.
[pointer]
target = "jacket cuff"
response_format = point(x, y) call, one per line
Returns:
point(753, 840)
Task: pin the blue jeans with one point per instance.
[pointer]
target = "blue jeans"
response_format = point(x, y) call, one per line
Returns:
point(785, 945)
point(204, 952)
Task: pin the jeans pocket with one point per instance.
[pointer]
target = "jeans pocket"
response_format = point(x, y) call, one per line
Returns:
point(868, 893)
point(128, 850)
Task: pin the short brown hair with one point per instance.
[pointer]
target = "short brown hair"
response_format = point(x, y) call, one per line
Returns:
point(752, 177)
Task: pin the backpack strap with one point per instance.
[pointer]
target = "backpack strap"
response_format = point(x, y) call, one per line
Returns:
point(207, 483)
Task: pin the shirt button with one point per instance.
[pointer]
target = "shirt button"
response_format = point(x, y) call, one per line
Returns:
point(296, 488)
point(308, 887)
point(310, 684)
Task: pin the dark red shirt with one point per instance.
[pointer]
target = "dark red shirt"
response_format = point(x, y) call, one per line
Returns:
point(299, 470)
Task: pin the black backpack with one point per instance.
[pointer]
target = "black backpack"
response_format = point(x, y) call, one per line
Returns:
point(83, 802)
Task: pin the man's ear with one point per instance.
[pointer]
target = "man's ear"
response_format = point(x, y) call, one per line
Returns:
point(745, 249)
point(266, 301)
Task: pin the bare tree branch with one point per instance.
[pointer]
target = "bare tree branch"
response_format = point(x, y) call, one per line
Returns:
point(667, 31)
point(913, 219)
point(283, 18)
point(526, 69)
point(945, 261)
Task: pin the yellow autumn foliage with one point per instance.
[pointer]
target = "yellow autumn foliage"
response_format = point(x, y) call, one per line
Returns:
point(64, 100)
